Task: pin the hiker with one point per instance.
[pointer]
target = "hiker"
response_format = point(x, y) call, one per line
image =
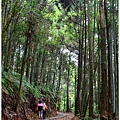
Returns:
point(44, 110)
point(39, 108)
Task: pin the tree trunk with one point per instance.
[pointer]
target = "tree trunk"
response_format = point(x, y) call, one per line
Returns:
point(42, 67)
point(91, 66)
point(110, 73)
point(103, 64)
point(111, 41)
point(59, 78)
point(77, 100)
point(68, 82)
point(22, 71)
point(99, 66)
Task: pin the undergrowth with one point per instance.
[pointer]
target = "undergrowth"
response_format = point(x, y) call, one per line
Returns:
point(10, 85)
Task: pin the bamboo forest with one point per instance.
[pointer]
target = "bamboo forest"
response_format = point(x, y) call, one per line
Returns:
point(59, 60)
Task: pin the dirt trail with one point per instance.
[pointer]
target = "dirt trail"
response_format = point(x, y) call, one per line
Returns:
point(60, 116)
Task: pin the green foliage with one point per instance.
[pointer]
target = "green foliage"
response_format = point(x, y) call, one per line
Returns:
point(90, 118)
point(87, 118)
point(10, 85)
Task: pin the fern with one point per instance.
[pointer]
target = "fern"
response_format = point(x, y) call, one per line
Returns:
point(10, 85)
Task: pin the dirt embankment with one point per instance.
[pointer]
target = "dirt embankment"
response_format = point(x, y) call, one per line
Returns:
point(25, 110)
point(25, 113)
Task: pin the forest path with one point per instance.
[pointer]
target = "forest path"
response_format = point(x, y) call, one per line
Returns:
point(60, 116)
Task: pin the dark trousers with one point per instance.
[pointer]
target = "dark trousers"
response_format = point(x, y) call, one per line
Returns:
point(44, 113)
